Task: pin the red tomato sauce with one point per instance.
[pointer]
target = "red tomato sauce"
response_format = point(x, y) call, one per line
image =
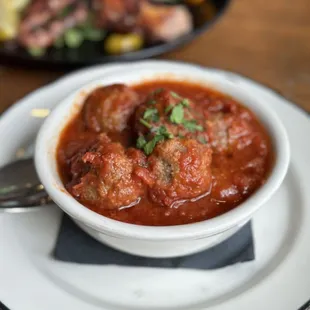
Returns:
point(242, 156)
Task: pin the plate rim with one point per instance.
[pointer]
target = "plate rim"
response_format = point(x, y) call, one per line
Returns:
point(103, 67)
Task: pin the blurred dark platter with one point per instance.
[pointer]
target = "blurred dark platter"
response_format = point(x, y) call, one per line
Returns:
point(85, 45)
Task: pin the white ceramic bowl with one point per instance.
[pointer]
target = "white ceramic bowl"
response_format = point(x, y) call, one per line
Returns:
point(166, 241)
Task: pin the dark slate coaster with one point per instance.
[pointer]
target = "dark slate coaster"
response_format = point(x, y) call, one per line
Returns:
point(74, 245)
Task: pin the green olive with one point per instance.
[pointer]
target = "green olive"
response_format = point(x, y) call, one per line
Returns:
point(123, 43)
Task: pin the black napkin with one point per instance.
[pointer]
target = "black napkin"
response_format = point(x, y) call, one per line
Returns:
point(74, 245)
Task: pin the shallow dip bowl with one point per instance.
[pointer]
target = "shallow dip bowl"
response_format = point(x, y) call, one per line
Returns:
point(159, 241)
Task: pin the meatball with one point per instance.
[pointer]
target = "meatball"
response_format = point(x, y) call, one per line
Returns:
point(240, 182)
point(108, 175)
point(164, 108)
point(236, 139)
point(182, 171)
point(227, 130)
point(107, 109)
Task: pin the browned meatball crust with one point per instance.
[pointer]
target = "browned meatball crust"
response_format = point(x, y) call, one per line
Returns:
point(108, 175)
point(231, 134)
point(108, 108)
point(181, 169)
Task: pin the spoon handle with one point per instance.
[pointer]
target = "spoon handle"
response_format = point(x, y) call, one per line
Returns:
point(12, 192)
point(25, 203)
point(20, 187)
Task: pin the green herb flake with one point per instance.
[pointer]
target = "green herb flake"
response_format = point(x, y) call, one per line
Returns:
point(152, 101)
point(157, 91)
point(202, 140)
point(185, 103)
point(175, 95)
point(145, 123)
point(161, 134)
point(192, 125)
point(168, 108)
point(177, 114)
point(155, 118)
point(159, 138)
point(141, 142)
point(162, 130)
point(149, 146)
point(181, 136)
point(151, 114)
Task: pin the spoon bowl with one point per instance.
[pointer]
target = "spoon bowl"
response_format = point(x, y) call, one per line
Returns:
point(20, 187)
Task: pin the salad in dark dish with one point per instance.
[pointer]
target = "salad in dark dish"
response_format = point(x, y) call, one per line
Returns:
point(118, 26)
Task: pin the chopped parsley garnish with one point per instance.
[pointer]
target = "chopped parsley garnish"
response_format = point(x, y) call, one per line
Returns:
point(145, 123)
point(175, 95)
point(152, 101)
point(161, 133)
point(168, 108)
point(185, 103)
point(177, 114)
point(192, 125)
point(151, 114)
point(141, 142)
point(162, 130)
point(202, 140)
point(157, 91)
point(149, 146)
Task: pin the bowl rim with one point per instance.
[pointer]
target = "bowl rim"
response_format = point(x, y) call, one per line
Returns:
point(46, 165)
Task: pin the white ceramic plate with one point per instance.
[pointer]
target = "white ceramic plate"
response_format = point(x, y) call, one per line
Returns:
point(278, 278)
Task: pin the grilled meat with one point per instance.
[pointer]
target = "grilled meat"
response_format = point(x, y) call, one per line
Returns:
point(42, 37)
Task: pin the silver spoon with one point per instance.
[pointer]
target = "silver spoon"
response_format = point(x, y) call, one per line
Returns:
point(20, 187)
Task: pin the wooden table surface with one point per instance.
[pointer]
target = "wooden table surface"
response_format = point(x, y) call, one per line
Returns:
point(268, 41)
